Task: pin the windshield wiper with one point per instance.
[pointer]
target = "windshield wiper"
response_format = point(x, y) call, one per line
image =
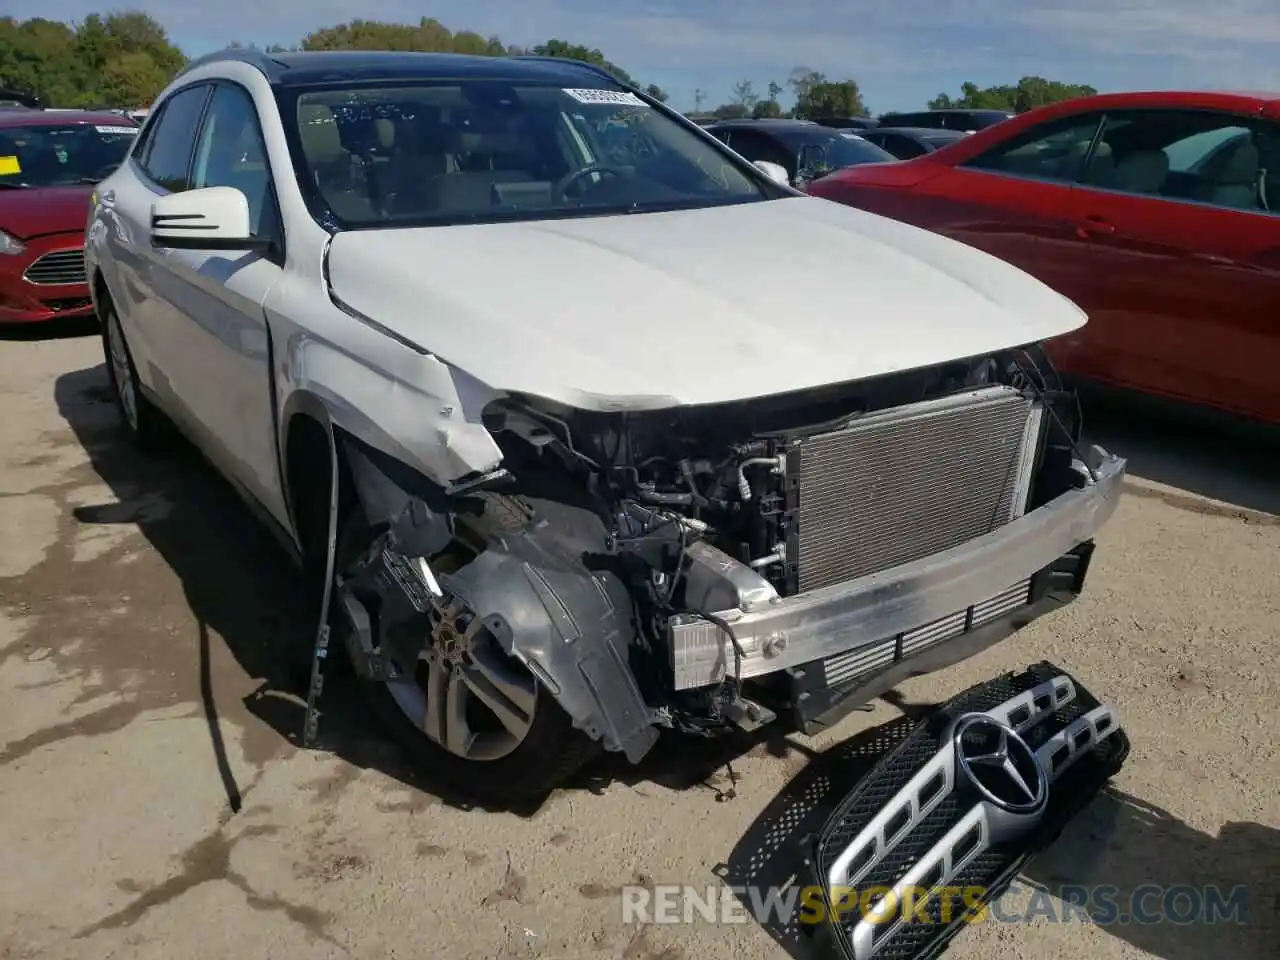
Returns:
point(15, 186)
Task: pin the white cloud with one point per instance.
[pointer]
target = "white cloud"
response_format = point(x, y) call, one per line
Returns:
point(1182, 26)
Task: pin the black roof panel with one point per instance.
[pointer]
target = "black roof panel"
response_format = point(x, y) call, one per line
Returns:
point(779, 123)
point(355, 66)
point(924, 133)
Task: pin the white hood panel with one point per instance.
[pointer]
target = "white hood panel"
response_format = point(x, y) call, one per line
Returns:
point(691, 307)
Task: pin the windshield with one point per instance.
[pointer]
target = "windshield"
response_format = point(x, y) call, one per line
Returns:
point(827, 150)
point(482, 151)
point(54, 155)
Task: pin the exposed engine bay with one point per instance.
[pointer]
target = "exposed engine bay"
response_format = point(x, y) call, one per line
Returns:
point(638, 521)
point(665, 481)
point(721, 471)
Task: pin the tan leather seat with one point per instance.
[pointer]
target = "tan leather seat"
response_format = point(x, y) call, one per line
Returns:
point(1143, 171)
point(321, 142)
point(1269, 172)
point(418, 156)
point(337, 174)
point(1235, 183)
point(386, 131)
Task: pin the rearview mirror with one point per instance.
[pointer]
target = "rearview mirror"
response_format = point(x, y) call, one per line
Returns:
point(774, 171)
point(813, 157)
point(211, 218)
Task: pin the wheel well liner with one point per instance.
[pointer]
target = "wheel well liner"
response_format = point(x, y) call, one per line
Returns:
point(571, 626)
point(547, 610)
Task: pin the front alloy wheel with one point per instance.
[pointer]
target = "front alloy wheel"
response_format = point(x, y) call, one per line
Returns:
point(473, 715)
point(146, 425)
point(467, 695)
point(122, 374)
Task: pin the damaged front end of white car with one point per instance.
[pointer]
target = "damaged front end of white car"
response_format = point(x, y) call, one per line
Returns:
point(713, 567)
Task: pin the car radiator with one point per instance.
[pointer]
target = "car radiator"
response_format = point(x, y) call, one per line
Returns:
point(909, 482)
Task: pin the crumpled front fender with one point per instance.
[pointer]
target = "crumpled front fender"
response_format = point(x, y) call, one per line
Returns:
point(572, 627)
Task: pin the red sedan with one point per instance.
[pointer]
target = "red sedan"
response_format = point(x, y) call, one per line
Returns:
point(49, 162)
point(1157, 213)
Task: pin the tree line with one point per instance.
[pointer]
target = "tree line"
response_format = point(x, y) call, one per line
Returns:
point(817, 97)
point(124, 59)
point(1027, 94)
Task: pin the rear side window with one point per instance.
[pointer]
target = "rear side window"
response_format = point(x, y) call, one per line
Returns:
point(146, 136)
point(166, 157)
point(1203, 156)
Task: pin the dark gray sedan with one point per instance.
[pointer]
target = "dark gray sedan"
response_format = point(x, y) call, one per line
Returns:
point(805, 149)
point(907, 142)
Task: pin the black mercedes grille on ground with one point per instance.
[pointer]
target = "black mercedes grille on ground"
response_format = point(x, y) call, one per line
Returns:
point(919, 823)
point(58, 267)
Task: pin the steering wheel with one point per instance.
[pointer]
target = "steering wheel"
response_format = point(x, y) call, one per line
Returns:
point(573, 176)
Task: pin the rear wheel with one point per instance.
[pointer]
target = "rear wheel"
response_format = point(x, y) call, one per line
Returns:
point(145, 425)
point(469, 712)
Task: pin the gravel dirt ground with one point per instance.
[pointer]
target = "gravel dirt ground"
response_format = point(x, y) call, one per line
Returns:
point(156, 804)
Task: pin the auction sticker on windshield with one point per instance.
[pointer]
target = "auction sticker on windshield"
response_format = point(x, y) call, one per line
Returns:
point(606, 96)
point(116, 129)
point(9, 166)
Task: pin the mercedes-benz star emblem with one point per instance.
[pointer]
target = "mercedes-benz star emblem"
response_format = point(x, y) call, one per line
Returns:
point(999, 764)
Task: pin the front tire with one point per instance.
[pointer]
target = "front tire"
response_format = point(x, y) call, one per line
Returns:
point(474, 717)
point(142, 421)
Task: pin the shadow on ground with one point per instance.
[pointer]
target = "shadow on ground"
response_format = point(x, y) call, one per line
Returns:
point(50, 330)
point(1128, 847)
point(1198, 451)
point(1117, 849)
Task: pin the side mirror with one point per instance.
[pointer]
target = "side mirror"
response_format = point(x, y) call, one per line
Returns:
point(211, 218)
point(774, 171)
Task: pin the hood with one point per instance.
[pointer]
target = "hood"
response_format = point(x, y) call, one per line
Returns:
point(691, 307)
point(37, 211)
point(900, 173)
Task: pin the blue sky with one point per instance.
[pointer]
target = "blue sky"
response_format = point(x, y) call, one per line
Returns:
point(900, 53)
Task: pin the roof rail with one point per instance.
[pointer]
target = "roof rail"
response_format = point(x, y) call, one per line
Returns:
point(569, 61)
point(265, 63)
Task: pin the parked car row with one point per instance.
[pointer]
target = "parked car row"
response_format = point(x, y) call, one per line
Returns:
point(50, 161)
point(806, 150)
point(907, 142)
point(964, 121)
point(958, 119)
point(1155, 212)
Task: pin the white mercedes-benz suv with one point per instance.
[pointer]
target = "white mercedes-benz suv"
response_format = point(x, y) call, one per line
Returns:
point(582, 425)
